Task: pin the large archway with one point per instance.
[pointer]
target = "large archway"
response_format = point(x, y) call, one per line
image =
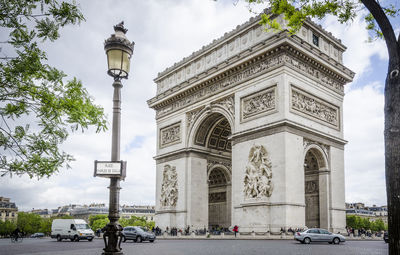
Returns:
point(213, 135)
point(311, 188)
point(219, 190)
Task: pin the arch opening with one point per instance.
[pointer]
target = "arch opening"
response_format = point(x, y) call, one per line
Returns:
point(213, 134)
point(312, 165)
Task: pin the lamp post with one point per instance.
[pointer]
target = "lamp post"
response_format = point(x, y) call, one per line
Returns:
point(119, 51)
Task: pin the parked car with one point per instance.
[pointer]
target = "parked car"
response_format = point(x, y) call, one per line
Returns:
point(37, 235)
point(137, 234)
point(318, 235)
point(72, 229)
point(386, 237)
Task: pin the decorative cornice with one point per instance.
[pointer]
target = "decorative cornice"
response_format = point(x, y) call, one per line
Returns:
point(283, 55)
point(253, 21)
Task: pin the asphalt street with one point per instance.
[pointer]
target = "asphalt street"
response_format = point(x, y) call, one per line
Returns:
point(47, 246)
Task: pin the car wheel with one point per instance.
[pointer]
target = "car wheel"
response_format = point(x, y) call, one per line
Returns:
point(139, 239)
point(59, 239)
point(151, 241)
point(90, 239)
point(336, 240)
point(76, 239)
point(124, 239)
point(307, 240)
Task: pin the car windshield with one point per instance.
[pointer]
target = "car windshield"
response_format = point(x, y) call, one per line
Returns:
point(82, 226)
point(140, 229)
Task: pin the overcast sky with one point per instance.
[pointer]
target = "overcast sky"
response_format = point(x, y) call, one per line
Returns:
point(164, 32)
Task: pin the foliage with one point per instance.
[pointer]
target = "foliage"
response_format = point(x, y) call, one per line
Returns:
point(357, 222)
point(137, 221)
point(7, 227)
point(99, 223)
point(45, 226)
point(29, 223)
point(295, 12)
point(93, 218)
point(101, 220)
point(38, 107)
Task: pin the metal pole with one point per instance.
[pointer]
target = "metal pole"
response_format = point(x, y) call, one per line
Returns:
point(112, 235)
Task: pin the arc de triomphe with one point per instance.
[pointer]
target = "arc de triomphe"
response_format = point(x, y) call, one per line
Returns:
point(250, 133)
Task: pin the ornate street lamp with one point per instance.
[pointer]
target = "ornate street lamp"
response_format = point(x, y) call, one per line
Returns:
point(119, 51)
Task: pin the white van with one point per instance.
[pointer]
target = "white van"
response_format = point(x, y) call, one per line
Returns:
point(73, 229)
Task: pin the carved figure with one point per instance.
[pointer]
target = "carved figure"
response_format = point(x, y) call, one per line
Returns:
point(170, 135)
point(169, 187)
point(258, 175)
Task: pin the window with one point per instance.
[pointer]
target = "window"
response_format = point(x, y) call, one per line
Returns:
point(315, 40)
point(313, 231)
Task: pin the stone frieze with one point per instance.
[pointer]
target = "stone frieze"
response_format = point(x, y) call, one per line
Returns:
point(253, 69)
point(170, 135)
point(258, 103)
point(314, 107)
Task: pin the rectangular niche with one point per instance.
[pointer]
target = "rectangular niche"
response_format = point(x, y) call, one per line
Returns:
point(315, 108)
point(170, 135)
point(258, 104)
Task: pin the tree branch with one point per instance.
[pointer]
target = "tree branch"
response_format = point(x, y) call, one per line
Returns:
point(387, 30)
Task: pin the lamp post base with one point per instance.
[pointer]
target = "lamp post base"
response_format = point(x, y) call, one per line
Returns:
point(112, 239)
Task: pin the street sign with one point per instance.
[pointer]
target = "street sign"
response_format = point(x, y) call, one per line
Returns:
point(110, 169)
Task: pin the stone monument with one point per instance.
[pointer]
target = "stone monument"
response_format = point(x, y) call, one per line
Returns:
point(250, 133)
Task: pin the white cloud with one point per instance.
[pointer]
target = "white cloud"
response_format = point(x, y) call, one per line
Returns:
point(364, 161)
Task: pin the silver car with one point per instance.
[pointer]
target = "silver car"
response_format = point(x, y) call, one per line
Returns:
point(137, 234)
point(318, 235)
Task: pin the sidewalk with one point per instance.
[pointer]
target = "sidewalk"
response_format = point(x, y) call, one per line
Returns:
point(252, 236)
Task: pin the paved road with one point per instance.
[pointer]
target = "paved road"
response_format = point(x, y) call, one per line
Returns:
point(48, 246)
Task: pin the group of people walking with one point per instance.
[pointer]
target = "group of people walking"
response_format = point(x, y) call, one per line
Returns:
point(174, 231)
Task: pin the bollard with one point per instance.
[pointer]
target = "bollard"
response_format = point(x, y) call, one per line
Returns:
point(253, 234)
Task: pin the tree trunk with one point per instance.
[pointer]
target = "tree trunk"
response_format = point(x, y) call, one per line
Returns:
point(392, 124)
point(392, 154)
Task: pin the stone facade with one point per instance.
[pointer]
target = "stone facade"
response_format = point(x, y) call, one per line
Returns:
point(252, 127)
point(8, 210)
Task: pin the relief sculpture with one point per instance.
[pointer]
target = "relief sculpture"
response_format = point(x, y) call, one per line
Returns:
point(258, 175)
point(259, 103)
point(169, 187)
point(315, 108)
point(170, 135)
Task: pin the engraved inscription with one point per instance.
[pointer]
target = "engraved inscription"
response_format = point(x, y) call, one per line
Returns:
point(170, 135)
point(315, 107)
point(258, 103)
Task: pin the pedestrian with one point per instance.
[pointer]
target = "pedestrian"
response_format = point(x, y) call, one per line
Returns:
point(235, 229)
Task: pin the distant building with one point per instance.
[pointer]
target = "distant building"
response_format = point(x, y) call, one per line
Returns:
point(138, 210)
point(64, 210)
point(373, 212)
point(44, 213)
point(84, 211)
point(8, 210)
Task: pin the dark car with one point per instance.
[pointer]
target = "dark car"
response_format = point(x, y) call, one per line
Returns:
point(318, 235)
point(37, 235)
point(137, 234)
point(386, 237)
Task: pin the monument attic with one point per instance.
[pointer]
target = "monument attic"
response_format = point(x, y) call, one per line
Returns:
point(250, 133)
